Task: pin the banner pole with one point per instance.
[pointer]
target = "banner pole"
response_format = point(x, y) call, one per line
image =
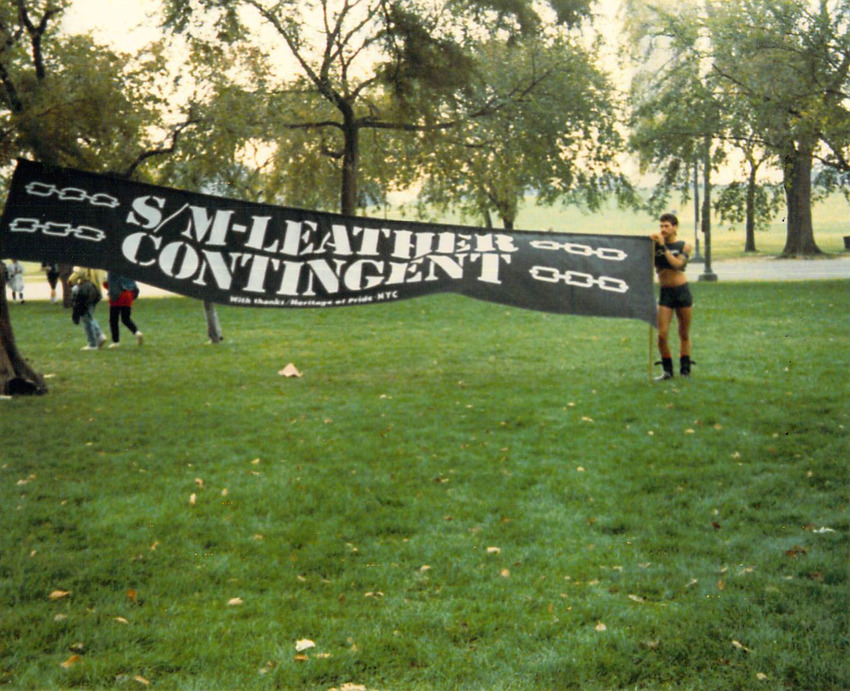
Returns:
point(649, 363)
point(651, 270)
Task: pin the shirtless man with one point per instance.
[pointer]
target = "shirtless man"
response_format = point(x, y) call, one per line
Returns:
point(671, 258)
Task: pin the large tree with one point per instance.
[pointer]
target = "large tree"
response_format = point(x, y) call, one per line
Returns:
point(342, 79)
point(778, 69)
point(676, 118)
point(67, 101)
point(790, 61)
point(556, 136)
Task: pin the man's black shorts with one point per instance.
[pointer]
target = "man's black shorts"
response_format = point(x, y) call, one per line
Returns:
point(676, 296)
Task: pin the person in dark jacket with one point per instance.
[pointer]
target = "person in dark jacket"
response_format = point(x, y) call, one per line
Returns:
point(122, 292)
point(85, 284)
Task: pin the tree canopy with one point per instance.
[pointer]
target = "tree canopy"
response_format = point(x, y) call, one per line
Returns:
point(767, 76)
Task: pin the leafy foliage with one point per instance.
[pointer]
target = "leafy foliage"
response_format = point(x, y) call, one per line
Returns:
point(777, 72)
point(371, 84)
point(549, 128)
point(68, 101)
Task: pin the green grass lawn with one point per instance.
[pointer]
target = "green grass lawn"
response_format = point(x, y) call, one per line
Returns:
point(455, 495)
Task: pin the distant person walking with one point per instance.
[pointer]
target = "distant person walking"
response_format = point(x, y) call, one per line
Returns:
point(15, 278)
point(671, 258)
point(52, 273)
point(122, 291)
point(85, 285)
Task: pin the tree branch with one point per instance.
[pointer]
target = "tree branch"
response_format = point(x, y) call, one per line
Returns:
point(36, 33)
point(160, 151)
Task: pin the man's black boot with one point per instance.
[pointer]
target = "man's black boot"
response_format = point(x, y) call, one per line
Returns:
point(667, 364)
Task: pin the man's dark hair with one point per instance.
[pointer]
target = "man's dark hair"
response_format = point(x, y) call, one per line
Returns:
point(669, 218)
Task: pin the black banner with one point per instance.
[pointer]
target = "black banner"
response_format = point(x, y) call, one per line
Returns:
point(257, 255)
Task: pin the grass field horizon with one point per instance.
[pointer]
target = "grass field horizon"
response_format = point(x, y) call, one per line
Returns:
point(829, 217)
point(454, 495)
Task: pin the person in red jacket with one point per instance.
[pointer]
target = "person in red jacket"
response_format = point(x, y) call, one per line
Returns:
point(122, 291)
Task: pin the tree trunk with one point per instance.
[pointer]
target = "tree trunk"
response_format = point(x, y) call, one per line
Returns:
point(350, 162)
point(488, 219)
point(797, 178)
point(16, 376)
point(707, 274)
point(750, 242)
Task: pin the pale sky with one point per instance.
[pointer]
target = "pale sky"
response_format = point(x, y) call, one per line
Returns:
point(127, 23)
point(124, 23)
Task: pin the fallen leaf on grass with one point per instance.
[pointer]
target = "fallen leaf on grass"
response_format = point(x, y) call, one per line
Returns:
point(59, 594)
point(304, 644)
point(270, 665)
point(762, 677)
point(132, 596)
point(26, 480)
point(235, 602)
point(349, 687)
point(290, 371)
point(121, 620)
point(141, 680)
point(494, 550)
point(823, 530)
point(636, 598)
point(71, 661)
point(601, 627)
point(741, 646)
point(796, 551)
point(505, 573)
point(301, 658)
point(192, 499)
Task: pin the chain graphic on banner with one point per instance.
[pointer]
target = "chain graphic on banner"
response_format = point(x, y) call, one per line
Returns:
point(578, 279)
point(610, 253)
point(71, 194)
point(59, 230)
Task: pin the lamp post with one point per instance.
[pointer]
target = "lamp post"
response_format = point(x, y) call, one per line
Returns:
point(697, 258)
point(707, 273)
